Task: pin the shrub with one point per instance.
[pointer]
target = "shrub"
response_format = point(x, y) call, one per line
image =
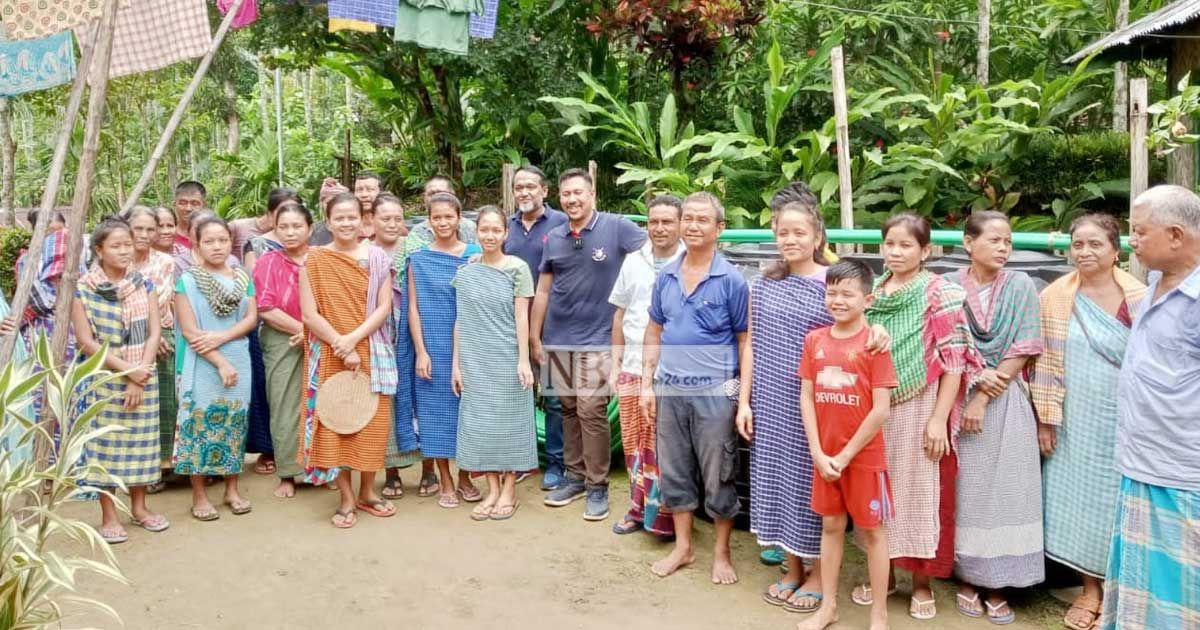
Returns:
point(13, 240)
point(1056, 163)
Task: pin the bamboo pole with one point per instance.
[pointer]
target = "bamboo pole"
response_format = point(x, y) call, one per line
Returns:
point(177, 117)
point(983, 54)
point(1139, 176)
point(509, 203)
point(85, 179)
point(279, 122)
point(841, 120)
point(62, 149)
point(1121, 78)
point(8, 162)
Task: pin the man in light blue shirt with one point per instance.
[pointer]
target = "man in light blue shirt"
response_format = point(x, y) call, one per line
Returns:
point(1153, 568)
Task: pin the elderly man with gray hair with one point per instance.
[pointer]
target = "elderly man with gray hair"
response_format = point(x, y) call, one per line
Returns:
point(1154, 566)
point(699, 318)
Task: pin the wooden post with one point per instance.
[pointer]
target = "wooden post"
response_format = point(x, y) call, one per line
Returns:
point(180, 109)
point(1139, 175)
point(592, 171)
point(1121, 78)
point(62, 149)
point(8, 162)
point(85, 179)
point(1185, 58)
point(985, 42)
point(509, 203)
point(845, 194)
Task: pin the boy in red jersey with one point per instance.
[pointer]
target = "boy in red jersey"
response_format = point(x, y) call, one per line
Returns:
point(845, 395)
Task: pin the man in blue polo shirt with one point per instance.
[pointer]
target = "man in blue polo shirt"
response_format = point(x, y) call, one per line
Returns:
point(571, 333)
point(699, 317)
point(528, 230)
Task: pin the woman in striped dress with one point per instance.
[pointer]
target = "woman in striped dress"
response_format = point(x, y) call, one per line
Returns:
point(491, 371)
point(115, 305)
point(431, 314)
point(998, 531)
point(277, 287)
point(159, 269)
point(345, 302)
point(1086, 320)
point(935, 356)
point(216, 310)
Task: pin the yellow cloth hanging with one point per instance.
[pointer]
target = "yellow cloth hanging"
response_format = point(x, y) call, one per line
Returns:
point(341, 24)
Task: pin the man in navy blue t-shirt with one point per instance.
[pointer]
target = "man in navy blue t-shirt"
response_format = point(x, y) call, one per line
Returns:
point(528, 230)
point(571, 333)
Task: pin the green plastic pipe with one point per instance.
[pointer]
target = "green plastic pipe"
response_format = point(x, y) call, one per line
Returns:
point(946, 238)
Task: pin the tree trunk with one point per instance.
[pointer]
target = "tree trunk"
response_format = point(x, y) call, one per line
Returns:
point(264, 105)
point(985, 37)
point(233, 139)
point(1185, 58)
point(1121, 78)
point(8, 164)
point(306, 84)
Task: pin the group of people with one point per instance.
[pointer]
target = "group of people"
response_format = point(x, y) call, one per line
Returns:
point(966, 426)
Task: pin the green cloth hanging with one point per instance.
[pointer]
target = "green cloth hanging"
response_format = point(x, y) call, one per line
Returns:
point(437, 24)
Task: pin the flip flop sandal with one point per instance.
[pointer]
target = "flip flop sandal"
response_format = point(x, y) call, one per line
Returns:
point(156, 487)
point(264, 467)
point(780, 587)
point(470, 497)
point(792, 608)
point(393, 489)
point(113, 536)
point(156, 523)
point(239, 508)
point(772, 557)
point(448, 501)
point(966, 606)
point(867, 598)
point(497, 516)
point(429, 486)
point(380, 508)
point(210, 514)
point(482, 512)
point(998, 619)
point(1092, 607)
point(624, 530)
point(522, 476)
point(348, 519)
point(914, 609)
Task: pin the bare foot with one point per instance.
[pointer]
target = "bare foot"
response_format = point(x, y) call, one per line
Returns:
point(676, 560)
point(824, 617)
point(879, 622)
point(286, 489)
point(722, 570)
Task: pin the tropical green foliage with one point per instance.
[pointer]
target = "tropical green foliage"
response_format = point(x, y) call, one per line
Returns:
point(38, 573)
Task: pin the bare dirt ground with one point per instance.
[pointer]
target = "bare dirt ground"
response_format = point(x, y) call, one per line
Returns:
point(284, 566)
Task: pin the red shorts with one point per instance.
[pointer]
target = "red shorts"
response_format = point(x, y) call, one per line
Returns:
point(865, 494)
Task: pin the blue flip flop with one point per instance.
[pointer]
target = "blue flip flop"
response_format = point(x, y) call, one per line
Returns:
point(1000, 620)
point(622, 531)
point(780, 587)
point(804, 609)
point(772, 556)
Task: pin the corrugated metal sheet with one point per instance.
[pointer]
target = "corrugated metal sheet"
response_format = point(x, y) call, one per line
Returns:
point(1165, 19)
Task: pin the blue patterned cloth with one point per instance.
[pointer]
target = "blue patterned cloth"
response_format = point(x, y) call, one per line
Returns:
point(210, 436)
point(36, 64)
point(1153, 576)
point(781, 466)
point(436, 404)
point(381, 12)
point(483, 25)
point(404, 434)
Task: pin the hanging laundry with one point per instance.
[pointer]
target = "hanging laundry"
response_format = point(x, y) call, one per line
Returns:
point(437, 24)
point(381, 12)
point(245, 15)
point(153, 34)
point(33, 20)
point(483, 25)
point(342, 24)
point(36, 64)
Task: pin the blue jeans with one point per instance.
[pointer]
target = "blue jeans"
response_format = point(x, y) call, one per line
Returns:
point(554, 433)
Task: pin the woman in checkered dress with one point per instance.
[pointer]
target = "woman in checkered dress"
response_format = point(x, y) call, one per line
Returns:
point(116, 306)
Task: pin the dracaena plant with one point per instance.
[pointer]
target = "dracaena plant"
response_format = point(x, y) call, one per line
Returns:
point(39, 542)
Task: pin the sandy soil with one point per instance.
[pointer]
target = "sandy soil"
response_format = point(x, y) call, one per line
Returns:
point(284, 566)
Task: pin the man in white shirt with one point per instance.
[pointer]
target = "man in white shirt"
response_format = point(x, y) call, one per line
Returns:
point(631, 295)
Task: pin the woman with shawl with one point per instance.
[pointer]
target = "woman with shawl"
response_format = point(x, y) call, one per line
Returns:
point(998, 531)
point(216, 310)
point(115, 305)
point(934, 354)
point(345, 302)
point(1086, 319)
point(159, 269)
point(431, 313)
point(277, 283)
